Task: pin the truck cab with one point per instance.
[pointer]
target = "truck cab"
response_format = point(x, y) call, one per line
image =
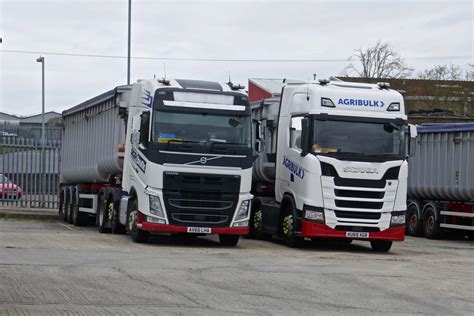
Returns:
point(337, 155)
point(188, 159)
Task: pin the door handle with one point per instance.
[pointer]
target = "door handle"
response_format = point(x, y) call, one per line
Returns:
point(292, 177)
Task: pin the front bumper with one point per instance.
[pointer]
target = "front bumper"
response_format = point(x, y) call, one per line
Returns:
point(166, 228)
point(311, 229)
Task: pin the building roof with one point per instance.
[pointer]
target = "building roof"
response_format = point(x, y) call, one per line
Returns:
point(37, 117)
point(8, 117)
point(28, 119)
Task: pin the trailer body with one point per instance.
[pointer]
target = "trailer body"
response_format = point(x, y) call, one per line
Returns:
point(441, 179)
point(161, 156)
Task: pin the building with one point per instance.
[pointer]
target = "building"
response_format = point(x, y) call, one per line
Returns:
point(30, 126)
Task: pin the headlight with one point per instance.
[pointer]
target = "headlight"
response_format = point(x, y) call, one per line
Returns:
point(155, 206)
point(317, 216)
point(243, 212)
point(398, 219)
point(151, 219)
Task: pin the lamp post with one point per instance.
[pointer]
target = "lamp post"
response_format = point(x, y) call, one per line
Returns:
point(43, 136)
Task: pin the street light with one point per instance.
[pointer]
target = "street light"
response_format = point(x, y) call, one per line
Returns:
point(43, 136)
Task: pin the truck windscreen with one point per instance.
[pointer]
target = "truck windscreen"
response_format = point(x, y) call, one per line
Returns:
point(201, 128)
point(359, 138)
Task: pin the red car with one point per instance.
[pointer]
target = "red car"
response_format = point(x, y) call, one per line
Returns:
point(8, 189)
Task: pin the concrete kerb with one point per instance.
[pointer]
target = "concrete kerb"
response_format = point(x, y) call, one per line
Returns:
point(28, 213)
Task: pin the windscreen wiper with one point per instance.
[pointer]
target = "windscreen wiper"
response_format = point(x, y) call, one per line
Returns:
point(179, 142)
point(224, 147)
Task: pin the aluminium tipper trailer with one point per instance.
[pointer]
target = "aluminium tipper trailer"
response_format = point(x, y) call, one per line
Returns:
point(332, 164)
point(441, 180)
point(160, 156)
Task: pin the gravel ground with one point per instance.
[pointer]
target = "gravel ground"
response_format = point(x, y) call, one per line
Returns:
point(49, 267)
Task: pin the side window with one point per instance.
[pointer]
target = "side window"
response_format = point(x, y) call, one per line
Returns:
point(144, 128)
point(295, 132)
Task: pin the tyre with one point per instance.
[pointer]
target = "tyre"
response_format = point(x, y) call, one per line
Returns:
point(414, 225)
point(61, 204)
point(431, 227)
point(288, 227)
point(381, 245)
point(78, 218)
point(115, 226)
point(138, 235)
point(103, 222)
point(229, 240)
point(65, 207)
point(255, 224)
point(69, 211)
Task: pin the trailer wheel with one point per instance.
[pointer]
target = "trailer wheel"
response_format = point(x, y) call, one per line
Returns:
point(102, 221)
point(138, 235)
point(229, 240)
point(61, 204)
point(414, 225)
point(78, 218)
point(430, 224)
point(381, 245)
point(65, 206)
point(288, 227)
point(115, 225)
point(69, 207)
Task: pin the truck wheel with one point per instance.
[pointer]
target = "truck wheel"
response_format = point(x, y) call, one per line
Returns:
point(430, 224)
point(288, 228)
point(229, 240)
point(414, 226)
point(115, 225)
point(102, 220)
point(381, 245)
point(138, 235)
point(255, 225)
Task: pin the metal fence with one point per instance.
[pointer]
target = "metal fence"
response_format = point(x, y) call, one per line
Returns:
point(29, 172)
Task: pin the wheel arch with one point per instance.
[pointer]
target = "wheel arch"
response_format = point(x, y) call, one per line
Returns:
point(418, 206)
point(434, 206)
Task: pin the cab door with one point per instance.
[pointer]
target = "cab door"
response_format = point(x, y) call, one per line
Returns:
point(293, 161)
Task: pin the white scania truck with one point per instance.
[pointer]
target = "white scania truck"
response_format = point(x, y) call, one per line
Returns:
point(165, 156)
point(332, 163)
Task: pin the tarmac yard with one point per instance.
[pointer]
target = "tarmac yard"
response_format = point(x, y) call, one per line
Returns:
point(49, 267)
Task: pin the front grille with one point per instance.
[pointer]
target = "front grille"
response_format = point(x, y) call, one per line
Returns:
point(200, 218)
point(357, 215)
point(359, 194)
point(200, 204)
point(205, 199)
point(359, 204)
point(357, 229)
point(361, 183)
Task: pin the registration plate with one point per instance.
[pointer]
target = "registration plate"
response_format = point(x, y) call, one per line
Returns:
point(357, 235)
point(199, 230)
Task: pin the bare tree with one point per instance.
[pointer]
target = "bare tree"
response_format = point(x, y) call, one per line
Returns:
point(442, 72)
point(379, 61)
point(470, 72)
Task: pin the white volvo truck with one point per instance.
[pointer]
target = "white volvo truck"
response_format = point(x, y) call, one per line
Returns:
point(332, 163)
point(164, 156)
